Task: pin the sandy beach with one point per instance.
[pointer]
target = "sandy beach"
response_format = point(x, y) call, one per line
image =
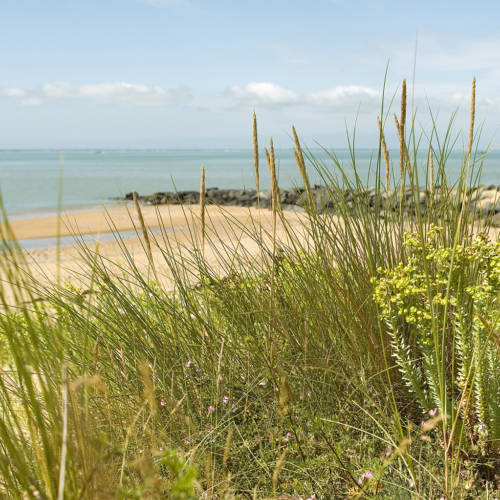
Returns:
point(228, 232)
point(173, 229)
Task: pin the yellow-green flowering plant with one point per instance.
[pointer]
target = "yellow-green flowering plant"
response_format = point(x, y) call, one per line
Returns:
point(442, 311)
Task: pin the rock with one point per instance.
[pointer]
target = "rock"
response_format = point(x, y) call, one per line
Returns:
point(484, 200)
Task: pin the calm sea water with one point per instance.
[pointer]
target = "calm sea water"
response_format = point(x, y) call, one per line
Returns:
point(29, 179)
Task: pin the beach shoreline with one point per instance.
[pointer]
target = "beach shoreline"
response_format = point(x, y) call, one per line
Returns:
point(118, 237)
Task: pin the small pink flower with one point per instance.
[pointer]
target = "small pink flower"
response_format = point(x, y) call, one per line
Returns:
point(225, 399)
point(162, 402)
point(308, 393)
point(388, 452)
point(287, 437)
point(433, 412)
point(211, 409)
point(261, 383)
point(188, 364)
point(187, 440)
point(197, 369)
point(366, 475)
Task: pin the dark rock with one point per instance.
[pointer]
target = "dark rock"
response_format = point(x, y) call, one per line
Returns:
point(483, 201)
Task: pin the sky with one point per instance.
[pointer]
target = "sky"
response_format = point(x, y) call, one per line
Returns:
point(189, 73)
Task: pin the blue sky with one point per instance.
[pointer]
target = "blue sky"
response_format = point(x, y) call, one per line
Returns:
point(188, 73)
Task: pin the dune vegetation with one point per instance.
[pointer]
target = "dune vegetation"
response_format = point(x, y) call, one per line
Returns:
point(357, 357)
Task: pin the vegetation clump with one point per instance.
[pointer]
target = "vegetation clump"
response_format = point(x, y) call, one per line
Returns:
point(358, 356)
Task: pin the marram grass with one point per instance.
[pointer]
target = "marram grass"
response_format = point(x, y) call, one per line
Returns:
point(361, 361)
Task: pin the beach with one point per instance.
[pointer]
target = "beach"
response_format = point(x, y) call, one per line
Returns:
point(113, 229)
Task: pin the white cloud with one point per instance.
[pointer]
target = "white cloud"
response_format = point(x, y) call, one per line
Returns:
point(134, 93)
point(31, 101)
point(342, 95)
point(22, 95)
point(123, 91)
point(14, 92)
point(264, 92)
point(58, 89)
point(270, 93)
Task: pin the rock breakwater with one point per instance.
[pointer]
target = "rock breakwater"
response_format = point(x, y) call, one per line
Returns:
point(483, 201)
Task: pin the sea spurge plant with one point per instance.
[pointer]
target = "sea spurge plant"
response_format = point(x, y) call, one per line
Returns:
point(442, 312)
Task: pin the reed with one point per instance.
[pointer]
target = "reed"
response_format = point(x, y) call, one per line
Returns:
point(386, 155)
point(256, 158)
point(202, 209)
point(431, 170)
point(472, 119)
point(299, 158)
point(401, 131)
point(274, 178)
point(405, 154)
point(144, 229)
point(274, 196)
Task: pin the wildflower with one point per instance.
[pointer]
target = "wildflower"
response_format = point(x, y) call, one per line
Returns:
point(261, 383)
point(366, 475)
point(188, 364)
point(388, 452)
point(187, 440)
point(287, 437)
point(308, 393)
point(163, 402)
point(433, 412)
point(225, 399)
point(211, 409)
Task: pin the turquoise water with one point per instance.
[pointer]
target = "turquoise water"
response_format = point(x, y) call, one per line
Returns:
point(29, 179)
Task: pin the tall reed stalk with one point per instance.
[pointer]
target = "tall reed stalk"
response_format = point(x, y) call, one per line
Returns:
point(202, 209)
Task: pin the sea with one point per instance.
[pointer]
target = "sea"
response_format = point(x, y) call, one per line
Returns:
point(37, 182)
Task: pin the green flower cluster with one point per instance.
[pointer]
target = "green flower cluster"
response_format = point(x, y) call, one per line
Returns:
point(441, 308)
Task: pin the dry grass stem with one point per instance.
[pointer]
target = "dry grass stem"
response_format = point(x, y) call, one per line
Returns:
point(472, 119)
point(431, 169)
point(299, 158)
point(144, 229)
point(202, 209)
point(277, 470)
point(404, 153)
point(401, 131)
point(274, 179)
point(227, 447)
point(256, 158)
point(386, 155)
